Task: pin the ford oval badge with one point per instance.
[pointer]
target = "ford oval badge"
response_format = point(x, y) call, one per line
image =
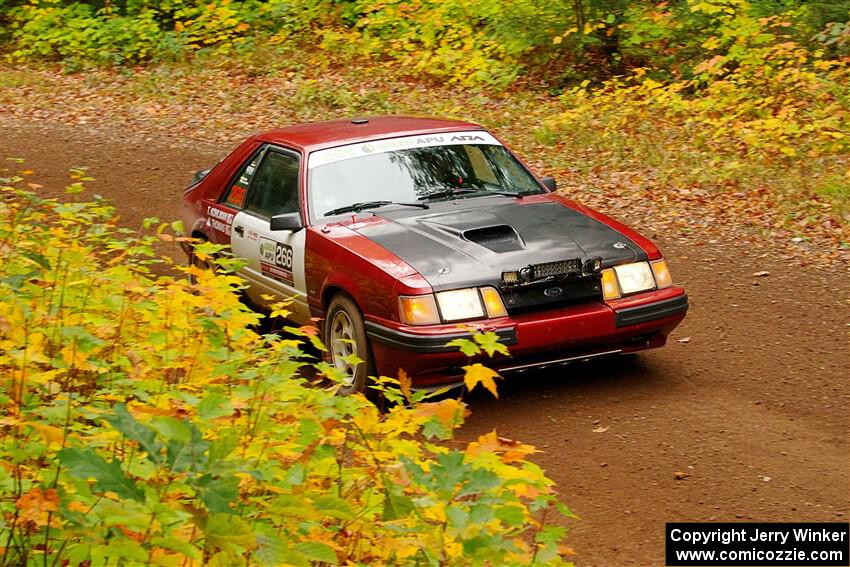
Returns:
point(553, 292)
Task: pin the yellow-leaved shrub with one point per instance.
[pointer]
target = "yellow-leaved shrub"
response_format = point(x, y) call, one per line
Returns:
point(147, 421)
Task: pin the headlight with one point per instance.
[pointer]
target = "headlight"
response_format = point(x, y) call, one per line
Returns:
point(456, 305)
point(635, 277)
point(460, 304)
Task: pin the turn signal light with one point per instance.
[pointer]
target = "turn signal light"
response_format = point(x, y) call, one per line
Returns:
point(418, 310)
point(493, 302)
point(662, 274)
point(610, 287)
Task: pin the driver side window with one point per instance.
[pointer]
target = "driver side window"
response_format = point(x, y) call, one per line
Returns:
point(274, 188)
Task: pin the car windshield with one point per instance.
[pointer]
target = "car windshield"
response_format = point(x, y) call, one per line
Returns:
point(415, 169)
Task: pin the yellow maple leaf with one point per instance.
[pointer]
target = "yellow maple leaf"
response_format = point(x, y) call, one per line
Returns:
point(79, 507)
point(454, 550)
point(44, 377)
point(73, 356)
point(480, 374)
point(51, 434)
point(280, 312)
point(405, 383)
point(511, 450)
point(35, 505)
point(447, 411)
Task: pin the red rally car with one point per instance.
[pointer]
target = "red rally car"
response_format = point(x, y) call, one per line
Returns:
point(402, 234)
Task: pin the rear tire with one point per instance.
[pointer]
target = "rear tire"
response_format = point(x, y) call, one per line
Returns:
point(344, 335)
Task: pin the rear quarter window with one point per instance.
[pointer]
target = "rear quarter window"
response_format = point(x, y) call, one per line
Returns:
point(238, 190)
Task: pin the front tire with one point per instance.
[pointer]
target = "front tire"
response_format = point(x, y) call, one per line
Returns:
point(345, 335)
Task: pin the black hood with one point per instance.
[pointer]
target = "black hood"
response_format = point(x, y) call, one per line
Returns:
point(470, 242)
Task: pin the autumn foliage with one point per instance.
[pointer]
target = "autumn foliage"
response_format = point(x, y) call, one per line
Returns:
point(733, 110)
point(470, 42)
point(146, 420)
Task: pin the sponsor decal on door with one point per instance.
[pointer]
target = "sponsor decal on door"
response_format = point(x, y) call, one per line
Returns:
point(219, 219)
point(276, 260)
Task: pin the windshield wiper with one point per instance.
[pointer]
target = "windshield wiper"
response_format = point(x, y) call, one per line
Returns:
point(519, 195)
point(356, 207)
point(481, 193)
point(448, 193)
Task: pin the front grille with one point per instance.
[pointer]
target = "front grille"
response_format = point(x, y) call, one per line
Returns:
point(551, 294)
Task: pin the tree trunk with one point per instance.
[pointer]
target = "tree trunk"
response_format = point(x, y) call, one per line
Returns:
point(578, 8)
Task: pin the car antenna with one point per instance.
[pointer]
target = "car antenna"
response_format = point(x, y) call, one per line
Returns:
point(360, 121)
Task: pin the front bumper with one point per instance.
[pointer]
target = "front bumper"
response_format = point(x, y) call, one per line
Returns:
point(425, 343)
point(651, 312)
point(543, 338)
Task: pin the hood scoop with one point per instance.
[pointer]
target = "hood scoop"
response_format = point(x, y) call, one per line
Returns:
point(498, 238)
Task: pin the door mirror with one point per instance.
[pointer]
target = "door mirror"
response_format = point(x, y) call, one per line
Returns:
point(549, 182)
point(199, 175)
point(286, 221)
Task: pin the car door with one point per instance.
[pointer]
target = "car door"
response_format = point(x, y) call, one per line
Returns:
point(221, 212)
point(275, 259)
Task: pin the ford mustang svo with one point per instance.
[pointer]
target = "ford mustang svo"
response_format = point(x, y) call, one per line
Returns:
point(401, 234)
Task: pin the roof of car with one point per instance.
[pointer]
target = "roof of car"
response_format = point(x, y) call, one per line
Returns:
point(318, 135)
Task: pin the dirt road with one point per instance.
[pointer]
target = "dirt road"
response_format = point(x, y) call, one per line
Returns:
point(750, 400)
